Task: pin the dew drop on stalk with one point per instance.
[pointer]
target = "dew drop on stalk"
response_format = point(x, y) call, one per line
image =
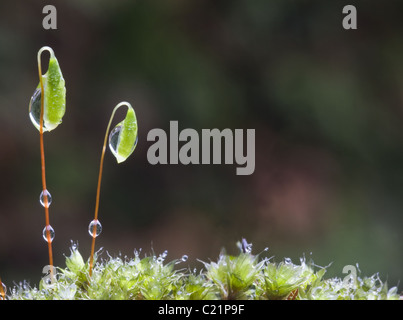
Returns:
point(96, 226)
point(35, 109)
point(264, 250)
point(42, 198)
point(183, 259)
point(51, 233)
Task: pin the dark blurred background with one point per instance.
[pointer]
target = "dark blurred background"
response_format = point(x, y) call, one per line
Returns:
point(326, 103)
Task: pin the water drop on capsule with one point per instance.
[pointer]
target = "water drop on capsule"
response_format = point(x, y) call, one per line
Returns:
point(95, 225)
point(114, 142)
point(35, 109)
point(42, 198)
point(51, 233)
point(114, 138)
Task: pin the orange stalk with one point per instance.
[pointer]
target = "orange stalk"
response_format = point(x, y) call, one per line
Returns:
point(97, 205)
point(46, 203)
point(2, 293)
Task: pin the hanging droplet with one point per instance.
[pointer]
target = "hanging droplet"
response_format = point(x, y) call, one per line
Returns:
point(95, 226)
point(51, 233)
point(35, 109)
point(42, 198)
point(115, 140)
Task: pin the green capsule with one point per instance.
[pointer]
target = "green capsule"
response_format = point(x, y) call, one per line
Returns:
point(54, 98)
point(123, 138)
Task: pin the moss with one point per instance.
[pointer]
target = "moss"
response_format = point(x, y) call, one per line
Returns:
point(242, 277)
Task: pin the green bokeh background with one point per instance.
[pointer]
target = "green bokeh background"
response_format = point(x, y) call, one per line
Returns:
point(326, 104)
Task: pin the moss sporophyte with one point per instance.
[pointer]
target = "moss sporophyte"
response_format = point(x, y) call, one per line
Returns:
point(46, 110)
point(231, 277)
point(122, 142)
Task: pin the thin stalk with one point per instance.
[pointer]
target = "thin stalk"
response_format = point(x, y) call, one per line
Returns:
point(2, 293)
point(99, 184)
point(43, 171)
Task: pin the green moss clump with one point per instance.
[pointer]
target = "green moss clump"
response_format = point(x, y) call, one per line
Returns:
point(242, 277)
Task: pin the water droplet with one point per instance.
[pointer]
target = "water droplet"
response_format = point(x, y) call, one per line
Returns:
point(137, 253)
point(42, 198)
point(114, 141)
point(287, 261)
point(246, 247)
point(162, 256)
point(264, 250)
point(183, 259)
point(114, 138)
point(74, 246)
point(96, 226)
point(51, 233)
point(35, 109)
